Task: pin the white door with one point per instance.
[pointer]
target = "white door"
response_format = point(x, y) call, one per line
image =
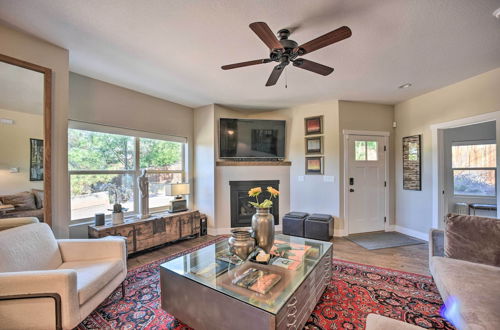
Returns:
point(366, 183)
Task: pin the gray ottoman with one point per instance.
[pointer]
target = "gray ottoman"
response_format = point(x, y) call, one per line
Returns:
point(319, 226)
point(293, 223)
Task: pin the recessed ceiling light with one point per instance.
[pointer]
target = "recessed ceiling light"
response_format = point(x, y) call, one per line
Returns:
point(405, 85)
point(496, 13)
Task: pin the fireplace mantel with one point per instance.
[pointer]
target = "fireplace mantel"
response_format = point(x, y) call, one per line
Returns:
point(253, 163)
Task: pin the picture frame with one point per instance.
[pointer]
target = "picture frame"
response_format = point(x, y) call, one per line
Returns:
point(36, 160)
point(313, 125)
point(412, 162)
point(314, 145)
point(314, 165)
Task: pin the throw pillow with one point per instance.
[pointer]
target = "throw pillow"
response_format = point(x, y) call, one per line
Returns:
point(472, 238)
point(22, 201)
point(38, 197)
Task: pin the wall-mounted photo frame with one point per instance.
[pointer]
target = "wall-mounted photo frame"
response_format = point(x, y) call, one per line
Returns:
point(313, 125)
point(36, 160)
point(314, 145)
point(412, 162)
point(314, 165)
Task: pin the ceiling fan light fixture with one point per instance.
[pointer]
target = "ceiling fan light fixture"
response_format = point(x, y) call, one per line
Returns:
point(496, 13)
point(405, 86)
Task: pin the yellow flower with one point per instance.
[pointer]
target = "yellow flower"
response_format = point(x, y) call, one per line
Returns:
point(273, 191)
point(254, 192)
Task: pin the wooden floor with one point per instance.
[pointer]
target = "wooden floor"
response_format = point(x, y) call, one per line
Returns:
point(412, 258)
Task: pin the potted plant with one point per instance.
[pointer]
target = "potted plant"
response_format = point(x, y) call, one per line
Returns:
point(117, 196)
point(263, 220)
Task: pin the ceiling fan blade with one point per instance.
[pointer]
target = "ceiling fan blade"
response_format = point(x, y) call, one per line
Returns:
point(312, 66)
point(247, 63)
point(325, 40)
point(265, 34)
point(275, 75)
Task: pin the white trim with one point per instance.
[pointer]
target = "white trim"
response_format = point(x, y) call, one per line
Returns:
point(411, 232)
point(385, 135)
point(438, 202)
point(369, 133)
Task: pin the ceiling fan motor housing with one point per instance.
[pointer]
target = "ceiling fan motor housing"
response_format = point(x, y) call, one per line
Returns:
point(285, 55)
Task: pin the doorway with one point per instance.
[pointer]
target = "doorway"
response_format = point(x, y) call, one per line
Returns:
point(365, 182)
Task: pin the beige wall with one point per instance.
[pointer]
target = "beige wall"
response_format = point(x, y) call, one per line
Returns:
point(27, 48)
point(97, 102)
point(15, 150)
point(367, 117)
point(474, 96)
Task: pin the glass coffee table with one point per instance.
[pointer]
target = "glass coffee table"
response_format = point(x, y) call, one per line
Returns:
point(210, 289)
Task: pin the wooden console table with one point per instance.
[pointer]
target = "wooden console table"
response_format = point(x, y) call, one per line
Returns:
point(158, 229)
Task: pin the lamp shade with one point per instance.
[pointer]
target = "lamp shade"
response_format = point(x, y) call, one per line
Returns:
point(176, 189)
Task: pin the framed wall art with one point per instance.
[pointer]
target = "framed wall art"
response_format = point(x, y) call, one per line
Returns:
point(412, 162)
point(314, 145)
point(314, 125)
point(314, 165)
point(36, 160)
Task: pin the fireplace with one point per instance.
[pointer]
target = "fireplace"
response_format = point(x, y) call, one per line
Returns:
point(241, 210)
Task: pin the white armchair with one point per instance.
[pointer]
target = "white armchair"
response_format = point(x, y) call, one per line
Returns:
point(47, 283)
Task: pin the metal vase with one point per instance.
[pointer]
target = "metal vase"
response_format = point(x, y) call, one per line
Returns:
point(263, 228)
point(241, 243)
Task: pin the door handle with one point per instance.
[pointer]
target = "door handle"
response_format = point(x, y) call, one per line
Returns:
point(351, 190)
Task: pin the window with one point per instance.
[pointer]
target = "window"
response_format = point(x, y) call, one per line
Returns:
point(104, 167)
point(366, 150)
point(474, 169)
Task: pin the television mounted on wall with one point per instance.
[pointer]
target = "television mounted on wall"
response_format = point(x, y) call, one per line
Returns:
point(251, 139)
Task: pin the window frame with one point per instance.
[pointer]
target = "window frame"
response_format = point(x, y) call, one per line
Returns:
point(136, 171)
point(471, 143)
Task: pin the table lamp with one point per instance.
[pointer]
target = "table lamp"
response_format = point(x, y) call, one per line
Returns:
point(179, 204)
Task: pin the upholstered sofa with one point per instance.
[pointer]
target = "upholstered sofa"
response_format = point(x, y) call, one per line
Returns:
point(464, 262)
point(26, 204)
point(46, 283)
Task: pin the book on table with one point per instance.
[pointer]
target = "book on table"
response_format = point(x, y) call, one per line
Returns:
point(289, 264)
point(289, 250)
point(210, 270)
point(258, 280)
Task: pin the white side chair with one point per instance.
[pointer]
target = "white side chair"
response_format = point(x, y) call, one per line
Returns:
point(46, 283)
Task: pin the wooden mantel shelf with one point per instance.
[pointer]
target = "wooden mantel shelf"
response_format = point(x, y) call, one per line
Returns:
point(250, 163)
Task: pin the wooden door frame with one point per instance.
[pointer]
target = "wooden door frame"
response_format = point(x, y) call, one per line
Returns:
point(47, 132)
point(385, 135)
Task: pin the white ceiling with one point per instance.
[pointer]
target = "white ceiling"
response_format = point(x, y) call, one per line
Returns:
point(21, 89)
point(174, 49)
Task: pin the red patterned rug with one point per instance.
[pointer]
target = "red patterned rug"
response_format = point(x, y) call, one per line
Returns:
point(355, 291)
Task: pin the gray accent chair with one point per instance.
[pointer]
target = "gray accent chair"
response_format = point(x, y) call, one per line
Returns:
point(475, 286)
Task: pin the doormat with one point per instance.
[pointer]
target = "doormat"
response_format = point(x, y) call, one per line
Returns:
point(383, 240)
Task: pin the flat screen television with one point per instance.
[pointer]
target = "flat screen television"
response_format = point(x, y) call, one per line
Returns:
point(251, 138)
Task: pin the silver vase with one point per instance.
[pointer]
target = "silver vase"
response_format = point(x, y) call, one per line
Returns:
point(263, 228)
point(241, 243)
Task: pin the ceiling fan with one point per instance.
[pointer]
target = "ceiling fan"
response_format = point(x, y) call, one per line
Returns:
point(286, 51)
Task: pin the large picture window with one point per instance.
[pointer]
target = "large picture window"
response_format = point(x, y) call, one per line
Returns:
point(474, 169)
point(98, 160)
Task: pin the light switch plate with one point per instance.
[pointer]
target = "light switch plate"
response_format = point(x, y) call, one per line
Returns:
point(328, 178)
point(301, 178)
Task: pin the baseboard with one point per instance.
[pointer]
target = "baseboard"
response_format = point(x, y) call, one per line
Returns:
point(390, 227)
point(411, 232)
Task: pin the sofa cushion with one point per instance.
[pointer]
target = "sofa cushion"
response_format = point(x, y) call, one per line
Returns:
point(22, 201)
point(37, 213)
point(476, 288)
point(29, 247)
point(8, 223)
point(39, 196)
point(472, 238)
point(92, 276)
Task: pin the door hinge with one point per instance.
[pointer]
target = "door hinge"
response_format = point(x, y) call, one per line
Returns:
point(385, 183)
point(385, 148)
point(385, 219)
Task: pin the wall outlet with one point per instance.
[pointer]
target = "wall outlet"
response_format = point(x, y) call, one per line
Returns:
point(328, 178)
point(300, 178)
point(6, 121)
point(14, 170)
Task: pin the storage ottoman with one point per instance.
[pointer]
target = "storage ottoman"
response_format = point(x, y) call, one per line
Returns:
point(319, 226)
point(293, 223)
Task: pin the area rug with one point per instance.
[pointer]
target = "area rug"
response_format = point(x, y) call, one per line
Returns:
point(383, 240)
point(355, 291)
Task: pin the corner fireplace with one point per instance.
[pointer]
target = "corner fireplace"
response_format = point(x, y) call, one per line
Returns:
point(241, 210)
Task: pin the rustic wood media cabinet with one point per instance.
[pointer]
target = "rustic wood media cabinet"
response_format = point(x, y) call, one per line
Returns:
point(158, 229)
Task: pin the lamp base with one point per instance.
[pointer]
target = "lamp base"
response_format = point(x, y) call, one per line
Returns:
point(178, 205)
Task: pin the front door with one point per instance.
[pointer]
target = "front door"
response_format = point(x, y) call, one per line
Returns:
point(366, 183)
